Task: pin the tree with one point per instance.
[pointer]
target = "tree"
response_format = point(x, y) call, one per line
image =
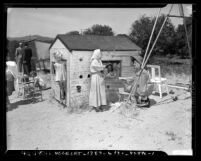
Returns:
point(181, 44)
point(73, 33)
point(141, 32)
point(166, 41)
point(189, 29)
point(122, 35)
point(99, 30)
point(181, 40)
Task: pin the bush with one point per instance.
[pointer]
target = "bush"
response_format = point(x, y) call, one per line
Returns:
point(175, 65)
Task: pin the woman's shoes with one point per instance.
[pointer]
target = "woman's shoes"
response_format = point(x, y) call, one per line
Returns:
point(98, 109)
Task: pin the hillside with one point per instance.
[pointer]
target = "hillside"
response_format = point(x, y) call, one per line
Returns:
point(28, 38)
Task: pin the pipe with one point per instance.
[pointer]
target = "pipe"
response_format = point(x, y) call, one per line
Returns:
point(157, 38)
point(174, 86)
point(151, 36)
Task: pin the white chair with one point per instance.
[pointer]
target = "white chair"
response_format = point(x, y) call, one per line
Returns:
point(157, 79)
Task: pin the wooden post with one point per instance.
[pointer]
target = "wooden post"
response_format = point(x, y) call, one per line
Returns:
point(178, 16)
point(68, 80)
point(144, 64)
point(43, 64)
point(39, 64)
point(151, 37)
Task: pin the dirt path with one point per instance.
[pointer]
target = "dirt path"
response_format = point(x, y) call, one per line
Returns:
point(46, 125)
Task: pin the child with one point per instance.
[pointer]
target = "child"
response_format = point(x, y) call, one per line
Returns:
point(110, 71)
point(38, 82)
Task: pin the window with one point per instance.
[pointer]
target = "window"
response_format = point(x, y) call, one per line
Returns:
point(116, 66)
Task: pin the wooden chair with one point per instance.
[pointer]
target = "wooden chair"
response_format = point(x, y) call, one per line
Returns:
point(157, 79)
point(27, 87)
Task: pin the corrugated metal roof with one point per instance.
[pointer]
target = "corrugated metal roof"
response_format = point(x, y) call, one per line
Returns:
point(92, 42)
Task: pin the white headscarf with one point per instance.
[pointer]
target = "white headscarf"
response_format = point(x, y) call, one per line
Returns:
point(96, 54)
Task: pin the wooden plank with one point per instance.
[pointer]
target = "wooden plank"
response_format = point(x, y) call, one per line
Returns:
point(68, 80)
point(178, 16)
point(126, 78)
point(174, 86)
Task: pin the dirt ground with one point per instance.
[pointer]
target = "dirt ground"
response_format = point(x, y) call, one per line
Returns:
point(47, 125)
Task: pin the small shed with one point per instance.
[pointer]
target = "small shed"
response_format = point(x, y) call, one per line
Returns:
point(40, 53)
point(76, 52)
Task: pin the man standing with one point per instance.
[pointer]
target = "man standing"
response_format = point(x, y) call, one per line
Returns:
point(26, 57)
point(18, 57)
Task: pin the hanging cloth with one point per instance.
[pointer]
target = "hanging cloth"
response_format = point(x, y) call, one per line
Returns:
point(60, 72)
point(60, 77)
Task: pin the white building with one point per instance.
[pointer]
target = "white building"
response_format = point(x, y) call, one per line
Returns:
point(76, 52)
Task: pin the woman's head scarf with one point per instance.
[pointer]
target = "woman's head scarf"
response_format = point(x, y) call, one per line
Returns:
point(96, 54)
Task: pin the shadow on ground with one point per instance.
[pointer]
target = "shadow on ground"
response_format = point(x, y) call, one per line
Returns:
point(157, 94)
point(152, 102)
point(15, 105)
point(106, 107)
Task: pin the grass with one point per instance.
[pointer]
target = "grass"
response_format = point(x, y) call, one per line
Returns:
point(174, 69)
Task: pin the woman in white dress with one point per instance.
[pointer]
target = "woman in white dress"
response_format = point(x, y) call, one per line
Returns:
point(97, 96)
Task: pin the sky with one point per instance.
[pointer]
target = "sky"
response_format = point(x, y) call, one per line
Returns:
point(52, 21)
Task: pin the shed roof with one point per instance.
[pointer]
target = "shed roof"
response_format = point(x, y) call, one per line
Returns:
point(92, 42)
